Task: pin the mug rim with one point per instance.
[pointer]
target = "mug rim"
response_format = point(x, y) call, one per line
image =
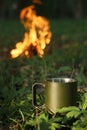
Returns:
point(61, 80)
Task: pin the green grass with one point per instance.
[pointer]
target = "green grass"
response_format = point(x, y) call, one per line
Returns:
point(10, 32)
point(72, 29)
point(65, 56)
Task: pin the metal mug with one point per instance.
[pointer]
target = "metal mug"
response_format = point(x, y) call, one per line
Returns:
point(59, 92)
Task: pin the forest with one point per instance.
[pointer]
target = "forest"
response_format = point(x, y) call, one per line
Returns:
point(49, 8)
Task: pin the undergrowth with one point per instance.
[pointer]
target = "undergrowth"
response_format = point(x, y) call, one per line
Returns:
point(65, 57)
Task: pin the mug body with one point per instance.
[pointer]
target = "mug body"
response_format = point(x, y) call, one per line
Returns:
point(60, 92)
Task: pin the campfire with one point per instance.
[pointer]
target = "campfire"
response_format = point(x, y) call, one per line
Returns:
point(37, 34)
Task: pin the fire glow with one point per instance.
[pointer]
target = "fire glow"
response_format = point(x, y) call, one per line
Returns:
point(37, 34)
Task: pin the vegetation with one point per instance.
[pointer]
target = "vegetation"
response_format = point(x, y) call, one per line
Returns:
point(65, 56)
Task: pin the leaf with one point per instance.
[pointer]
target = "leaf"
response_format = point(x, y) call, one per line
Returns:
point(22, 115)
point(67, 109)
point(84, 120)
point(65, 68)
point(54, 123)
point(73, 113)
point(31, 122)
point(56, 119)
point(84, 101)
point(79, 128)
point(54, 126)
point(43, 120)
point(43, 117)
point(21, 102)
point(14, 120)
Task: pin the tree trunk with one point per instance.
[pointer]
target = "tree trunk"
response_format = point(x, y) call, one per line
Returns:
point(78, 9)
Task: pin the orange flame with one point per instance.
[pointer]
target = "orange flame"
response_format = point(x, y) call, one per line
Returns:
point(37, 36)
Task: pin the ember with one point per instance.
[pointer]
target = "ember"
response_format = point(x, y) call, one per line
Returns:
point(37, 34)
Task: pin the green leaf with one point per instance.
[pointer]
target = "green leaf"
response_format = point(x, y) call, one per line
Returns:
point(43, 121)
point(67, 109)
point(55, 119)
point(79, 128)
point(84, 101)
point(73, 113)
point(65, 68)
point(54, 126)
point(14, 120)
point(31, 122)
point(43, 117)
point(22, 115)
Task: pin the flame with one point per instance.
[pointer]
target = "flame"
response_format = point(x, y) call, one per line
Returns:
point(37, 34)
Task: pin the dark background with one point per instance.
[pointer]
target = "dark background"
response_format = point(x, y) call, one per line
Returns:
point(10, 9)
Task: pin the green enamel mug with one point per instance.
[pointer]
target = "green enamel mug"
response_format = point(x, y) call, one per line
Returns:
point(59, 92)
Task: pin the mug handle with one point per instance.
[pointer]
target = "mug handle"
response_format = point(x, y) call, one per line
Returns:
point(34, 92)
